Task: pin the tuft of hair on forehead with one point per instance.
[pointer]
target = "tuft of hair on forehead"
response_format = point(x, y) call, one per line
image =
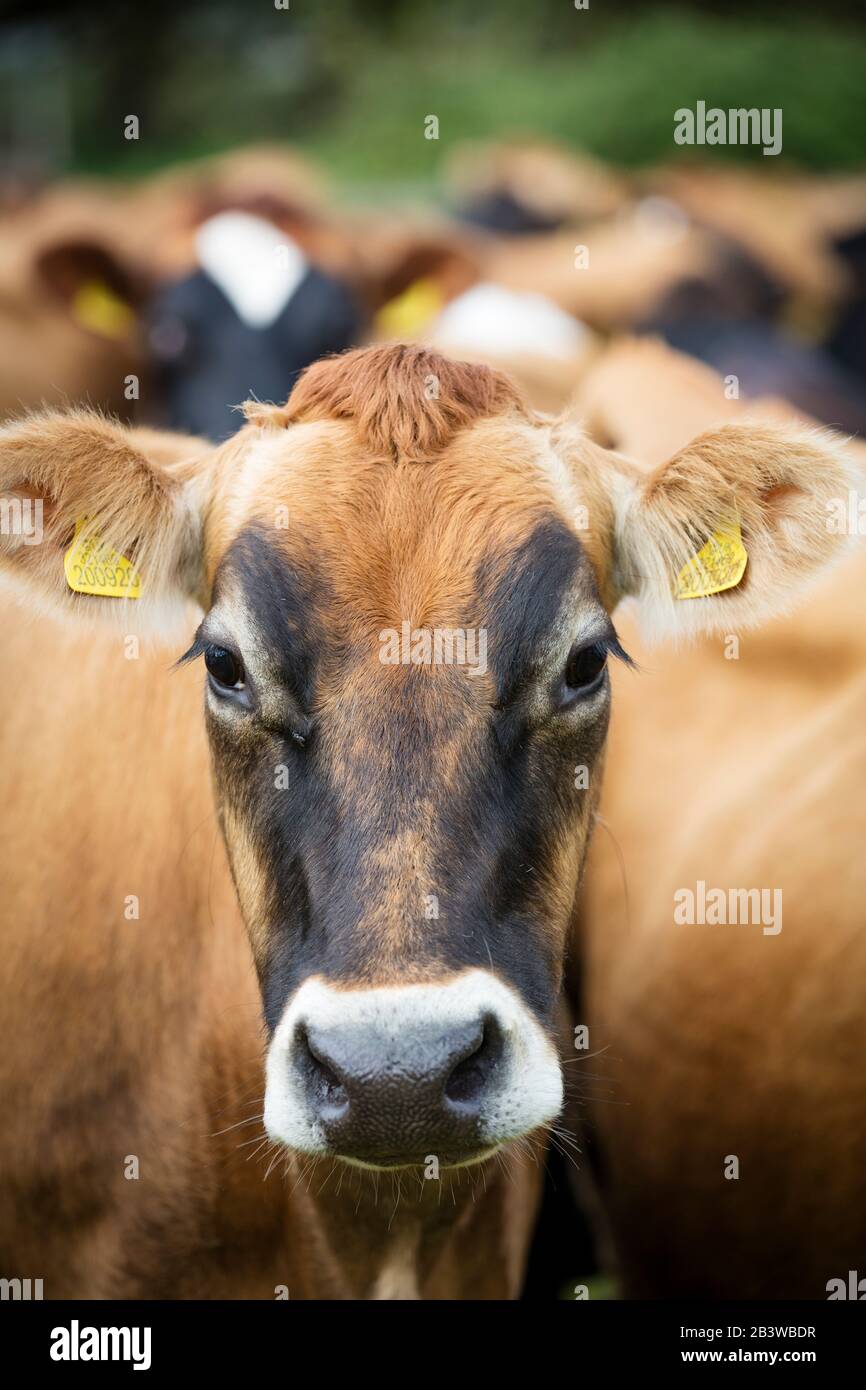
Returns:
point(405, 401)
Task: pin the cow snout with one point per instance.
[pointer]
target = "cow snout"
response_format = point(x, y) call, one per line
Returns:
point(385, 1098)
point(390, 1076)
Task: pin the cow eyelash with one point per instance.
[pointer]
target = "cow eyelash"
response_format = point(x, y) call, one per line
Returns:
point(606, 646)
point(612, 646)
point(230, 682)
point(615, 648)
point(201, 646)
point(584, 670)
point(192, 653)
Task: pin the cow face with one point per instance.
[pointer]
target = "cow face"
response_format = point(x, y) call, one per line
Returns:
point(407, 584)
point(251, 315)
point(407, 699)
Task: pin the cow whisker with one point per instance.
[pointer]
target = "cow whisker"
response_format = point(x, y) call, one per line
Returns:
point(253, 1119)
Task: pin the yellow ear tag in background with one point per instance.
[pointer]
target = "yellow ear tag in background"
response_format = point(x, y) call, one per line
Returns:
point(718, 565)
point(99, 309)
point(410, 311)
point(91, 568)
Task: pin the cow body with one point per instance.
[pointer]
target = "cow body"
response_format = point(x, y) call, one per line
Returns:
point(725, 1042)
point(132, 1162)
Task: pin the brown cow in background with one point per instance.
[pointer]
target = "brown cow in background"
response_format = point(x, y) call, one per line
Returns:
point(731, 1163)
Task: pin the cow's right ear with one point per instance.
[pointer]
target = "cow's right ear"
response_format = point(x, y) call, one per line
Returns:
point(100, 520)
point(730, 530)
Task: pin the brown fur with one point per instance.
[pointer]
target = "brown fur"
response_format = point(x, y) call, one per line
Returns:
point(142, 1037)
point(407, 402)
point(718, 1040)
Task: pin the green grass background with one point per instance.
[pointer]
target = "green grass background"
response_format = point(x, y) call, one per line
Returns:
point(350, 81)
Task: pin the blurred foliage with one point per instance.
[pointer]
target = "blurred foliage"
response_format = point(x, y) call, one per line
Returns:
point(352, 80)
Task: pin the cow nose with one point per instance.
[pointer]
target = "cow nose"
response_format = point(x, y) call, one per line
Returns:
point(388, 1097)
point(393, 1074)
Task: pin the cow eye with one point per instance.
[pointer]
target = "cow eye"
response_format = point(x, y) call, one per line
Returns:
point(225, 669)
point(584, 671)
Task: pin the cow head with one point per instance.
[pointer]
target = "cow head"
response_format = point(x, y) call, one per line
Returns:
point(251, 313)
point(407, 582)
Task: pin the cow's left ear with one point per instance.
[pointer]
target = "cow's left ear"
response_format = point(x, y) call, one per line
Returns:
point(98, 290)
point(102, 521)
point(724, 534)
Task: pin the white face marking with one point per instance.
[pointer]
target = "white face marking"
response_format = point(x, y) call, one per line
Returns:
point(490, 318)
point(257, 267)
point(527, 1091)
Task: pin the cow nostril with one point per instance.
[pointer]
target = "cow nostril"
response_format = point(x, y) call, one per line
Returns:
point(468, 1079)
point(322, 1080)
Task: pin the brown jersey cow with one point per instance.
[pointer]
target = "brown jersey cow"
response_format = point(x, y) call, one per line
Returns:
point(403, 583)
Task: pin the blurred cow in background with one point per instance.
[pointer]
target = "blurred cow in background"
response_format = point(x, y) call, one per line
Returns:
point(518, 187)
point(222, 279)
point(253, 312)
point(68, 304)
point(171, 301)
point(765, 319)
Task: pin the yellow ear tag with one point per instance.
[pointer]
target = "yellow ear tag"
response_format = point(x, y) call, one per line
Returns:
point(718, 565)
point(91, 568)
point(410, 311)
point(98, 309)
